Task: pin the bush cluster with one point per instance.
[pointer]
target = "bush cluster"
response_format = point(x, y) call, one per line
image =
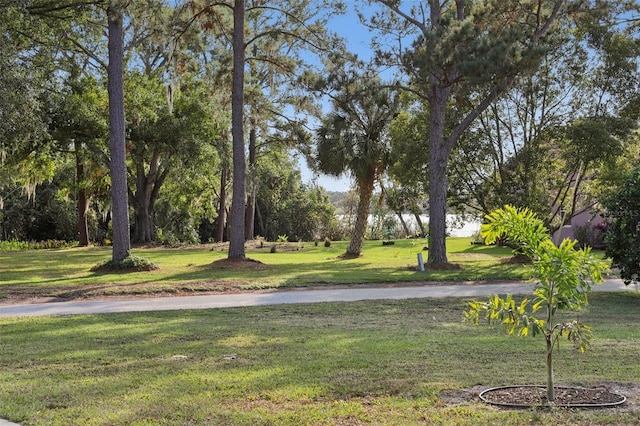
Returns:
point(129, 263)
point(623, 234)
point(15, 245)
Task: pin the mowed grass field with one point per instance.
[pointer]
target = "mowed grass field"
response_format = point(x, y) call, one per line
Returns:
point(408, 362)
point(66, 272)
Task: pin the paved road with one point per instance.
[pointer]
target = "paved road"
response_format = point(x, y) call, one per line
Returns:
point(275, 298)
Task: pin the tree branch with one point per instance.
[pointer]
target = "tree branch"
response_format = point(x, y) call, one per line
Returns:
point(87, 52)
point(406, 16)
point(481, 107)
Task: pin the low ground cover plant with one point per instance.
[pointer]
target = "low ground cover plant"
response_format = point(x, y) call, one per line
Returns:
point(129, 263)
point(15, 245)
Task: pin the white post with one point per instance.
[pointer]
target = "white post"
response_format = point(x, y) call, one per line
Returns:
point(420, 263)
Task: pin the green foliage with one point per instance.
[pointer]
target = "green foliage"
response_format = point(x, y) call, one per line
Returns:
point(129, 263)
point(283, 238)
point(408, 165)
point(15, 245)
point(176, 223)
point(623, 234)
point(286, 205)
point(351, 139)
point(563, 276)
point(169, 142)
point(518, 226)
point(47, 215)
point(168, 239)
point(595, 139)
point(26, 73)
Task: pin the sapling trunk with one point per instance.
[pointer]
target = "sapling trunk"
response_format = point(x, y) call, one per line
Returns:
point(549, 338)
point(550, 391)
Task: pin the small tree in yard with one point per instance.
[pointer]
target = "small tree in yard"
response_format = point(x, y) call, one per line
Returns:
point(564, 276)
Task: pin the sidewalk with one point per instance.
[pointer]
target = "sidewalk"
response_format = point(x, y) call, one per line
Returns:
point(276, 298)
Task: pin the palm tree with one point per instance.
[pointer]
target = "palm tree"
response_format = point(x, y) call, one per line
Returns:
point(353, 139)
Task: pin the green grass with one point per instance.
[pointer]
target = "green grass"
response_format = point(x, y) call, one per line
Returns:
point(66, 272)
point(383, 362)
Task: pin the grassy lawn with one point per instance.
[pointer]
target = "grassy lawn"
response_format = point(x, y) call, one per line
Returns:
point(383, 362)
point(66, 272)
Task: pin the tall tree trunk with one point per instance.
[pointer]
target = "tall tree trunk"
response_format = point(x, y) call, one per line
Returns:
point(253, 186)
point(143, 225)
point(118, 167)
point(365, 191)
point(260, 226)
point(236, 241)
point(83, 205)
point(438, 182)
point(148, 186)
point(419, 222)
point(222, 209)
point(577, 181)
point(403, 223)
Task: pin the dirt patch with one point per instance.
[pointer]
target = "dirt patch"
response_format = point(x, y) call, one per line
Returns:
point(601, 393)
point(238, 264)
point(517, 259)
point(443, 266)
point(349, 256)
point(21, 295)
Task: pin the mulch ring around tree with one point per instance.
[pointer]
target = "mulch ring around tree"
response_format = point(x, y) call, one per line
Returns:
point(565, 396)
point(238, 264)
point(457, 397)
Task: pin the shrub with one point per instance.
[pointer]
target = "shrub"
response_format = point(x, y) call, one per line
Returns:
point(15, 245)
point(582, 235)
point(623, 233)
point(129, 263)
point(589, 235)
point(168, 238)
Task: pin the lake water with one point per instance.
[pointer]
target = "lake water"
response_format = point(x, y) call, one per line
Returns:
point(457, 226)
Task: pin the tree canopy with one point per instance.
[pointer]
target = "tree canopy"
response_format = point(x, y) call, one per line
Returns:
point(160, 109)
